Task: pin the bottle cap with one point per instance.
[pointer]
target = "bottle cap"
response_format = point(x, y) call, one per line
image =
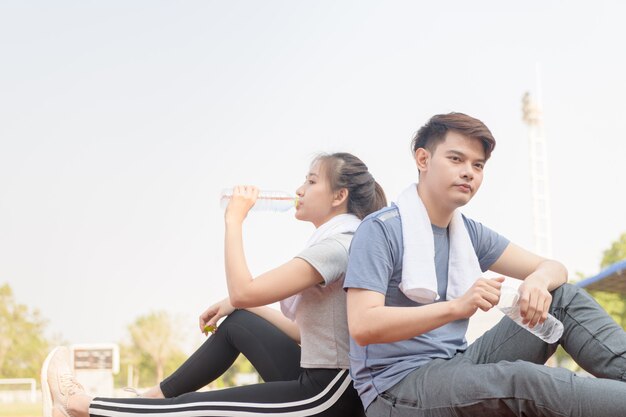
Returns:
point(508, 296)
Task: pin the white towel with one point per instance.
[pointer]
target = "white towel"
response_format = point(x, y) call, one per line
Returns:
point(419, 279)
point(343, 223)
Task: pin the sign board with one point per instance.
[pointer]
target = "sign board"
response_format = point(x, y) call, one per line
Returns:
point(93, 359)
point(96, 356)
point(94, 366)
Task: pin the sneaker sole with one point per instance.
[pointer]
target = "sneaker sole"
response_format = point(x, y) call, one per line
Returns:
point(45, 387)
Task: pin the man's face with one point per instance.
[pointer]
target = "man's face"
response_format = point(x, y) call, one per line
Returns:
point(454, 171)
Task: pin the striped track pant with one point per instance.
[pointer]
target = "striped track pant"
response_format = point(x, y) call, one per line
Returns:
point(288, 391)
point(317, 392)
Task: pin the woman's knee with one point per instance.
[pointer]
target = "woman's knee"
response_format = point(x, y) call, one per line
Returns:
point(236, 318)
point(244, 324)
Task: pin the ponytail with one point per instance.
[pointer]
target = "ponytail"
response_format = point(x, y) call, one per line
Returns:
point(345, 170)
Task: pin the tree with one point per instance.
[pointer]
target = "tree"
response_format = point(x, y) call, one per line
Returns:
point(616, 253)
point(138, 368)
point(154, 341)
point(613, 303)
point(23, 346)
point(240, 366)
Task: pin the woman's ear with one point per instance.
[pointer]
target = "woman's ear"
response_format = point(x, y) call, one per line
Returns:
point(422, 157)
point(340, 197)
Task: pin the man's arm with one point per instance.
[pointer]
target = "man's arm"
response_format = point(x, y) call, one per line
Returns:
point(370, 321)
point(540, 276)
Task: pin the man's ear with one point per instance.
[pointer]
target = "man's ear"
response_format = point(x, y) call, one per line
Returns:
point(340, 197)
point(422, 158)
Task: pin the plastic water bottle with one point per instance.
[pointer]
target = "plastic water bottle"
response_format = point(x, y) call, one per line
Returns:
point(266, 201)
point(549, 331)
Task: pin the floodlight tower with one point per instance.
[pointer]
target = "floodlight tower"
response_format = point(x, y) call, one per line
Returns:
point(542, 229)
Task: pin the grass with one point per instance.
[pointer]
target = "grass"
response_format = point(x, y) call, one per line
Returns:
point(21, 410)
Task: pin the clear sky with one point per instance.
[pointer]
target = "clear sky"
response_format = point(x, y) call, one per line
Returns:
point(121, 121)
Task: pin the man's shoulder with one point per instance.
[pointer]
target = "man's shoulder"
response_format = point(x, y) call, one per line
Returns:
point(475, 227)
point(384, 223)
point(384, 215)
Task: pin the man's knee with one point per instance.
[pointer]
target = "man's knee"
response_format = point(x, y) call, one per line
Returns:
point(564, 294)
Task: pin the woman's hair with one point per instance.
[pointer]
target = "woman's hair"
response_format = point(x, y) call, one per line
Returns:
point(345, 170)
point(434, 132)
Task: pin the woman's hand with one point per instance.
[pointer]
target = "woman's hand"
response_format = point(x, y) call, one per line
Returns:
point(242, 200)
point(213, 314)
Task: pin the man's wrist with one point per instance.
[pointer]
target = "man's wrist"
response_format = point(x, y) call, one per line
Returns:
point(455, 310)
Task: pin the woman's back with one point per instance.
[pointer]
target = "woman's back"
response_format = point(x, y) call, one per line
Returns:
point(321, 313)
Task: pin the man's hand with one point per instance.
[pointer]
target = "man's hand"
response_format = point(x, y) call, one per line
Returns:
point(540, 275)
point(534, 299)
point(483, 294)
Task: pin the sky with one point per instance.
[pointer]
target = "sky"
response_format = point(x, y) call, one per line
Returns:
point(121, 122)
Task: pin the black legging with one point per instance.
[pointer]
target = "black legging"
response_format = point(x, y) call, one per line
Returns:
point(275, 355)
point(288, 389)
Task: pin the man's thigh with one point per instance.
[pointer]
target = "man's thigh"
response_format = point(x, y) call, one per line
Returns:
point(507, 341)
point(459, 387)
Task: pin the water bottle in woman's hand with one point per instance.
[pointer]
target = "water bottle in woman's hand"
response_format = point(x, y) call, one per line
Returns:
point(266, 201)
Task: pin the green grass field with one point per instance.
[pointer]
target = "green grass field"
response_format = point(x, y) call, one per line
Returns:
point(21, 410)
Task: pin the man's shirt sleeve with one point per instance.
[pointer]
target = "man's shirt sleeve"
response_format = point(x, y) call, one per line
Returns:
point(371, 261)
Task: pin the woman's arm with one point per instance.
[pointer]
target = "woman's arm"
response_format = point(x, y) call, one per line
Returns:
point(279, 320)
point(275, 285)
point(223, 308)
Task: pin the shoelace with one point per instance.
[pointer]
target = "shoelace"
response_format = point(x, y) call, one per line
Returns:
point(132, 390)
point(70, 385)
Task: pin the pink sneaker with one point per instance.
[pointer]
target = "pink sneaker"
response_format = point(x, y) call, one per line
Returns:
point(58, 383)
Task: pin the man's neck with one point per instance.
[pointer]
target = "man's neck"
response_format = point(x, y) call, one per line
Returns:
point(438, 215)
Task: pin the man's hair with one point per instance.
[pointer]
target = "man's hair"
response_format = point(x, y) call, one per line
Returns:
point(434, 132)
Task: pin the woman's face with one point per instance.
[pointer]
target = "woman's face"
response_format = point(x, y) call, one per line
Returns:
point(315, 197)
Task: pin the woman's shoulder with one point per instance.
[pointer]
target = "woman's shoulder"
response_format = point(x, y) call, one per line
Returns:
point(338, 241)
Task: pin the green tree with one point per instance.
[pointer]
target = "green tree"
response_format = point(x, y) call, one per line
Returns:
point(137, 369)
point(154, 344)
point(23, 346)
point(228, 378)
point(616, 253)
point(613, 303)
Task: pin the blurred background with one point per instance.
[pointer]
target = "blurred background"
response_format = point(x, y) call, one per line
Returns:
point(121, 122)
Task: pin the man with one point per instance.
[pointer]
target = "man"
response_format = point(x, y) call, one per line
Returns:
point(413, 281)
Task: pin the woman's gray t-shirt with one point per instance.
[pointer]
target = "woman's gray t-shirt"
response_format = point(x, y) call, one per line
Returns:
point(321, 313)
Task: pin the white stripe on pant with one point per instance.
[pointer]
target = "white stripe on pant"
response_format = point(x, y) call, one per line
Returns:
point(194, 406)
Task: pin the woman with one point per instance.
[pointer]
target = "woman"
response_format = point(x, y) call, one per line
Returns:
point(337, 193)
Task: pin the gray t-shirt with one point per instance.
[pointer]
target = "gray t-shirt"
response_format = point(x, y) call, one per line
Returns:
point(376, 264)
point(321, 312)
